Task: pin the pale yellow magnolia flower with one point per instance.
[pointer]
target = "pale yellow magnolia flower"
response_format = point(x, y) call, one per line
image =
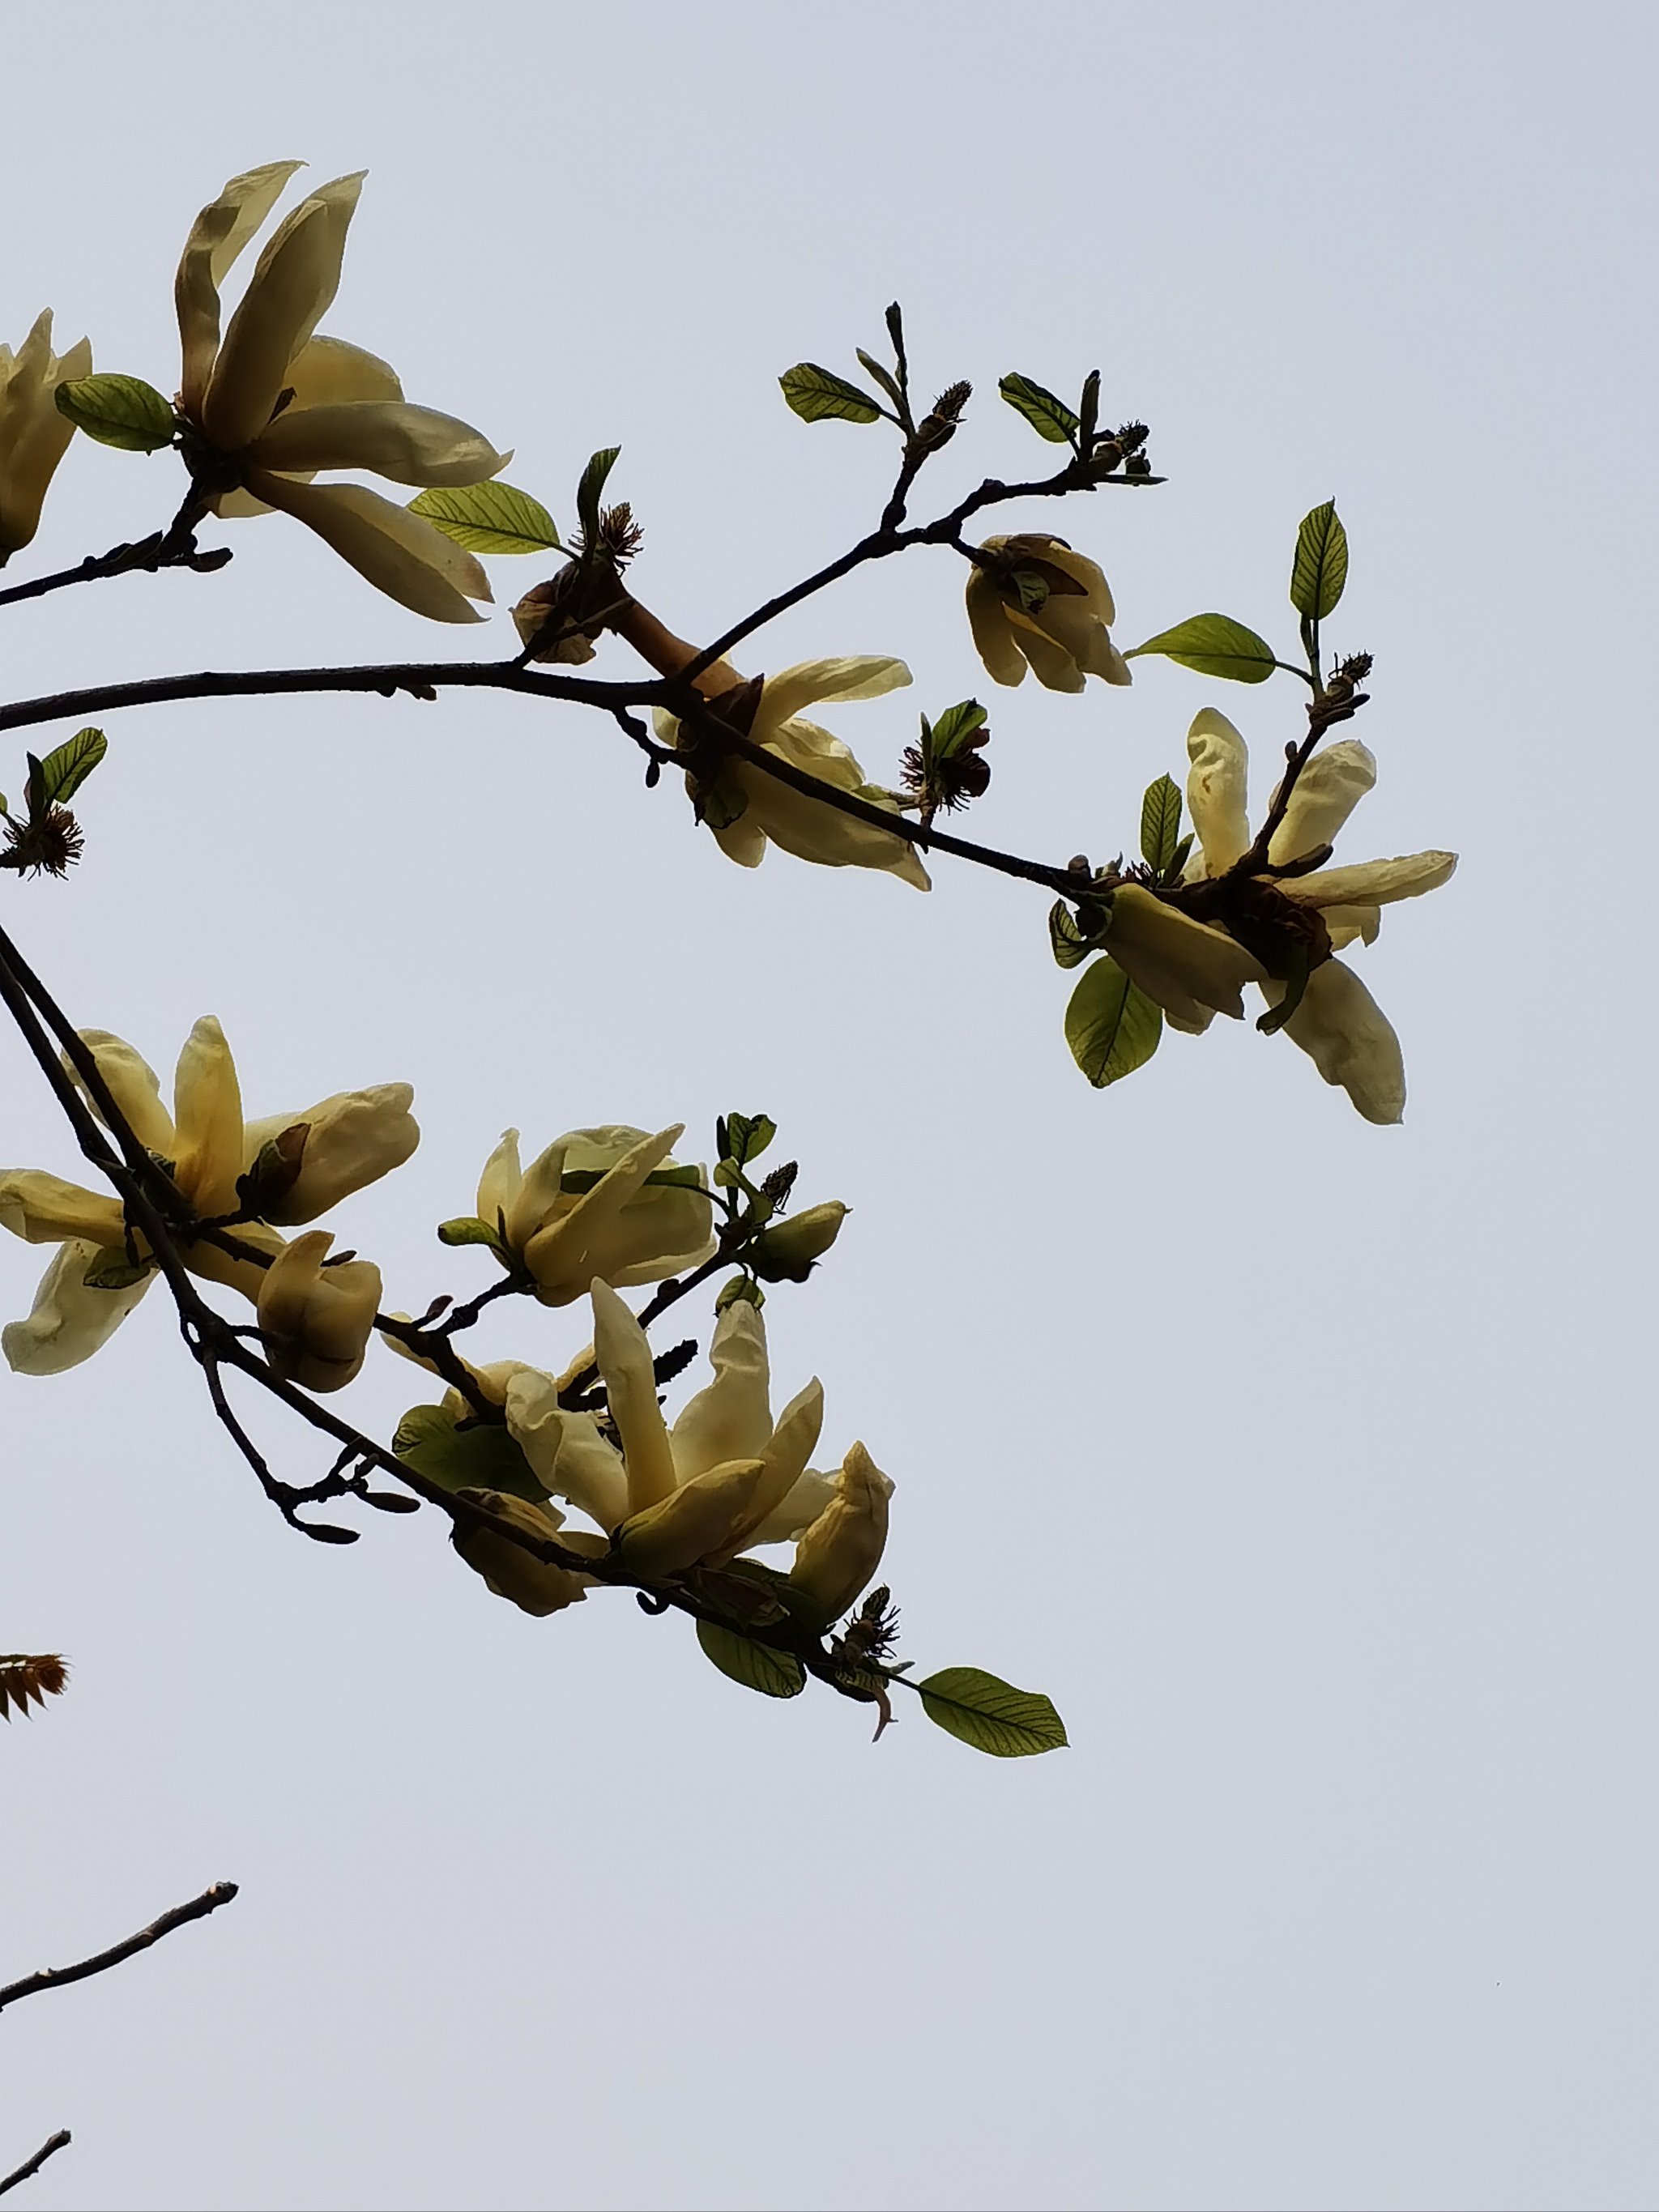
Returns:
point(838, 1553)
point(1063, 641)
point(361, 1135)
point(344, 408)
point(624, 1229)
point(724, 1477)
point(535, 1586)
point(316, 1321)
point(1338, 1023)
point(34, 436)
point(772, 811)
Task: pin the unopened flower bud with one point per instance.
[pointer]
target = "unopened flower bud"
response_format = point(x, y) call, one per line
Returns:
point(785, 1252)
point(839, 1553)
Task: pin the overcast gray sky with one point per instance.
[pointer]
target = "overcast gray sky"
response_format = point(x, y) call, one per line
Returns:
point(1300, 1460)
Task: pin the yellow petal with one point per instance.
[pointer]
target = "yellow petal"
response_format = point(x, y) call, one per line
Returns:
point(135, 1087)
point(291, 289)
point(316, 1321)
point(1349, 1039)
point(535, 1586)
point(631, 1386)
point(34, 435)
point(1374, 882)
point(701, 1523)
point(352, 1140)
point(68, 1321)
point(328, 373)
point(784, 1458)
point(839, 1554)
point(499, 1184)
point(207, 1117)
point(1098, 592)
point(218, 234)
point(853, 676)
point(800, 1508)
point(565, 1450)
point(994, 638)
point(399, 553)
point(1053, 667)
point(1326, 792)
point(1215, 783)
point(1184, 964)
point(389, 438)
point(43, 1209)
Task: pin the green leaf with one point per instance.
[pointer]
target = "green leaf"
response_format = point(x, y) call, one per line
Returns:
point(110, 1269)
point(1160, 824)
point(65, 771)
point(747, 1136)
point(1215, 644)
point(757, 1666)
point(949, 735)
point(1111, 1026)
point(1071, 948)
point(118, 410)
point(575, 1182)
point(489, 518)
point(468, 1228)
point(818, 395)
point(884, 377)
point(1321, 568)
point(1031, 588)
point(991, 1715)
point(1050, 417)
point(482, 1456)
point(588, 491)
point(895, 319)
point(739, 1287)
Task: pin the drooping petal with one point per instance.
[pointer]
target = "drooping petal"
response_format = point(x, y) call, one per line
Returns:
point(134, 1085)
point(1349, 1039)
point(733, 1417)
point(207, 1117)
point(68, 1321)
point(352, 1140)
point(1216, 784)
point(994, 638)
point(1053, 667)
point(566, 1449)
point(1098, 592)
point(1374, 883)
point(292, 287)
point(1346, 924)
point(238, 1272)
point(411, 445)
point(1326, 792)
point(852, 676)
point(631, 1386)
point(815, 830)
point(216, 237)
point(1184, 964)
point(329, 373)
point(43, 1209)
point(743, 840)
point(839, 1554)
point(499, 1184)
point(399, 553)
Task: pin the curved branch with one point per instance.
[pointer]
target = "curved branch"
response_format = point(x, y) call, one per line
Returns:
point(51, 1978)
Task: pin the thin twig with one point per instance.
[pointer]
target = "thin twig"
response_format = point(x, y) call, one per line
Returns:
point(51, 1978)
point(32, 2166)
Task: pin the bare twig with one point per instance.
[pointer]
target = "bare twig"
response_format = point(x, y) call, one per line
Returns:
point(52, 1977)
point(32, 2166)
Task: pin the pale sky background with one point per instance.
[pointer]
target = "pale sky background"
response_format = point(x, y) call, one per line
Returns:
point(1300, 1460)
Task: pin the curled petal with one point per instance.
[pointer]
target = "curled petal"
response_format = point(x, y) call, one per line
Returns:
point(535, 1586)
point(1216, 789)
point(292, 287)
point(68, 1321)
point(43, 1209)
point(839, 1554)
point(783, 1460)
point(1326, 792)
point(1346, 924)
point(134, 1085)
point(499, 1184)
point(631, 1386)
point(207, 1116)
point(853, 676)
point(1349, 1039)
point(566, 1450)
point(1374, 882)
point(614, 1230)
point(1184, 964)
point(411, 445)
point(217, 238)
point(399, 553)
point(352, 1140)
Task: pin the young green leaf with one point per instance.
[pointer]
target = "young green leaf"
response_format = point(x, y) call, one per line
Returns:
point(738, 1288)
point(884, 377)
point(747, 1136)
point(489, 518)
point(1160, 824)
point(482, 1456)
point(896, 332)
point(1071, 948)
point(118, 410)
point(1321, 568)
point(1215, 644)
point(65, 769)
point(468, 1228)
point(1111, 1026)
point(991, 1715)
point(1050, 417)
point(588, 491)
point(955, 726)
point(818, 395)
point(757, 1666)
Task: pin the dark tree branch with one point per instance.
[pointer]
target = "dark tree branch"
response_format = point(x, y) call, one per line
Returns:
point(52, 1977)
point(31, 2166)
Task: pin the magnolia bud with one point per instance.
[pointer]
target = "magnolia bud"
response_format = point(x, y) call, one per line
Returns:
point(316, 1321)
point(785, 1252)
point(839, 1553)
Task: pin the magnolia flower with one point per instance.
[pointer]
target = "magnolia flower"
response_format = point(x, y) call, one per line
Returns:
point(1064, 639)
point(750, 807)
point(361, 1136)
point(614, 1223)
point(1338, 1023)
point(34, 436)
point(273, 403)
point(724, 1477)
point(316, 1321)
point(839, 1553)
